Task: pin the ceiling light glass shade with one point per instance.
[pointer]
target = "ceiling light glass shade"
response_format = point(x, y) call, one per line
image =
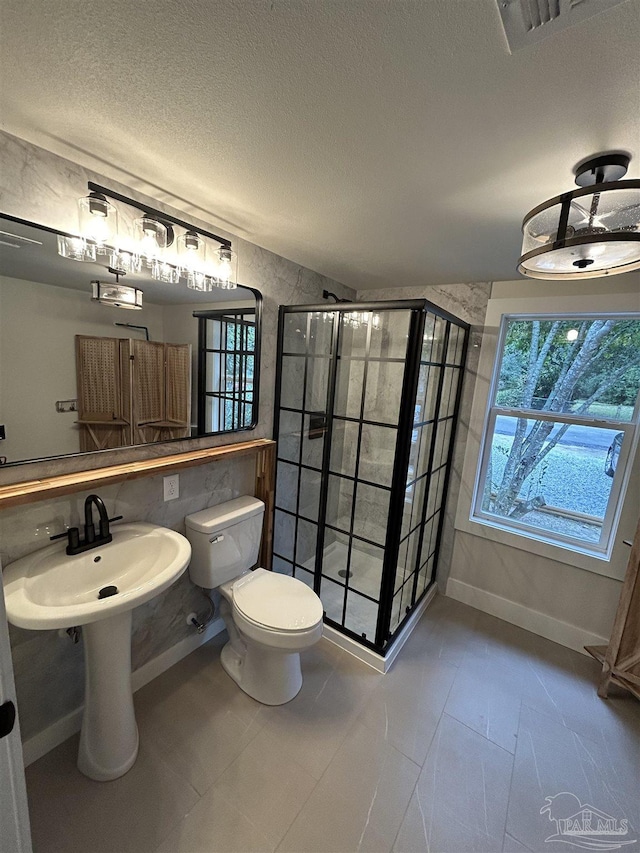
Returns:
point(98, 219)
point(151, 236)
point(226, 273)
point(116, 295)
point(192, 251)
point(162, 271)
point(590, 232)
point(76, 248)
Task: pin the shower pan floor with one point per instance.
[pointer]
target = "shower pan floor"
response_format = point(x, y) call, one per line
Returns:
point(365, 576)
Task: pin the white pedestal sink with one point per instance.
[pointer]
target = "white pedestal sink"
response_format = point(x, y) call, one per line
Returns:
point(48, 589)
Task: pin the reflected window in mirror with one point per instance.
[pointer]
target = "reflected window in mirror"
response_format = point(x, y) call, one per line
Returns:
point(79, 375)
point(226, 365)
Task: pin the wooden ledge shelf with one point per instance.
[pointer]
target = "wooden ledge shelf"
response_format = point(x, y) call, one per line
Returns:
point(31, 491)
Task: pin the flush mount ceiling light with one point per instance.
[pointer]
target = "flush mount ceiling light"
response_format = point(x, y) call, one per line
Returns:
point(153, 233)
point(587, 233)
point(116, 295)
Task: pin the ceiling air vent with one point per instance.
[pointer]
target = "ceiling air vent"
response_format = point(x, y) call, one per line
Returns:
point(529, 21)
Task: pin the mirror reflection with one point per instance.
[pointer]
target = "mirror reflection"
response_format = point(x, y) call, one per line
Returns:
point(91, 360)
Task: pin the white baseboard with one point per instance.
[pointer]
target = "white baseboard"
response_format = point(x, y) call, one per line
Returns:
point(368, 656)
point(571, 636)
point(64, 728)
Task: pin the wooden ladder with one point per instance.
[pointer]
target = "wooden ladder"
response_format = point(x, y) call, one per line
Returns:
point(621, 658)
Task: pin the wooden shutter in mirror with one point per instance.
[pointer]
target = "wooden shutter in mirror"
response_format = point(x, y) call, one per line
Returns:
point(178, 385)
point(102, 411)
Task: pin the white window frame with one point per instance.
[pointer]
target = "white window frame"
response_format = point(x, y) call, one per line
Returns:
point(622, 508)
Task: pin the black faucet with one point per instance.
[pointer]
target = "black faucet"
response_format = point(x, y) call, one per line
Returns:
point(89, 527)
point(76, 545)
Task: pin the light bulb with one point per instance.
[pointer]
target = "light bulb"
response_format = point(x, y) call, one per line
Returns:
point(226, 273)
point(98, 219)
point(572, 335)
point(191, 251)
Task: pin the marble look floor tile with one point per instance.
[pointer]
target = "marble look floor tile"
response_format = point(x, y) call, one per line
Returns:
point(71, 813)
point(510, 845)
point(406, 706)
point(217, 824)
point(199, 721)
point(311, 727)
point(460, 801)
point(568, 694)
point(267, 787)
point(507, 645)
point(553, 760)
point(452, 629)
point(359, 802)
point(486, 697)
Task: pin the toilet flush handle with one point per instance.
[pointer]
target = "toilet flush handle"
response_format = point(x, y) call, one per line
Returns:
point(216, 539)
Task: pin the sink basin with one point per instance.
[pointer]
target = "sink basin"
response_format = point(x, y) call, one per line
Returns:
point(48, 589)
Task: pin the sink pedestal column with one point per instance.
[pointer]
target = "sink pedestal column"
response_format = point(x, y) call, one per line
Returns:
point(109, 737)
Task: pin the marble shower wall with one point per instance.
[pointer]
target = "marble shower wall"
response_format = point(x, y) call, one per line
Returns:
point(41, 187)
point(49, 668)
point(469, 303)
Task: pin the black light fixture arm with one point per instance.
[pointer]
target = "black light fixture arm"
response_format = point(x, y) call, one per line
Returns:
point(158, 214)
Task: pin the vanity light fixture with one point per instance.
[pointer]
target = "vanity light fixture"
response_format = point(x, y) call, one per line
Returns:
point(154, 233)
point(116, 295)
point(226, 273)
point(589, 232)
point(76, 248)
point(98, 219)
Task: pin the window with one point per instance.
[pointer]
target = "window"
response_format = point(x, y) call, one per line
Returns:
point(227, 364)
point(561, 426)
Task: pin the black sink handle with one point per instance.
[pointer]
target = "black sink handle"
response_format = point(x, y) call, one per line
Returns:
point(69, 529)
point(62, 535)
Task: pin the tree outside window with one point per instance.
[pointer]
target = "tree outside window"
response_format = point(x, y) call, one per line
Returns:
point(563, 413)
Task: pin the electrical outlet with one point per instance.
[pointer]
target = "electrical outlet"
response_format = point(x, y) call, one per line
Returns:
point(171, 487)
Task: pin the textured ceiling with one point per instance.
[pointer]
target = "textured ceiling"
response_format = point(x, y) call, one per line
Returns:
point(380, 143)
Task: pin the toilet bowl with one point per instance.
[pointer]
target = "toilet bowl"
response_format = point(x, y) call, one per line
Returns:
point(270, 618)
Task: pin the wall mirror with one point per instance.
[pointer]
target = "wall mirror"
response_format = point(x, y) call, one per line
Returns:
point(78, 373)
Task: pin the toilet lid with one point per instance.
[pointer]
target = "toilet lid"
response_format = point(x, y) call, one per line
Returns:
point(277, 601)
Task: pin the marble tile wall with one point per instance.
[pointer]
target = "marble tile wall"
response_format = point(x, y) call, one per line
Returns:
point(469, 303)
point(41, 187)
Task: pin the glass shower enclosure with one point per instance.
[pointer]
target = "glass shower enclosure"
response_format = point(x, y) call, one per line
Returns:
point(367, 398)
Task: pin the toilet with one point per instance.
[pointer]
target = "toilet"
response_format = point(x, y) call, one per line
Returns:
point(270, 618)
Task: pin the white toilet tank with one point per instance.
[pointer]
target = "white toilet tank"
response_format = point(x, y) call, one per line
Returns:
point(225, 540)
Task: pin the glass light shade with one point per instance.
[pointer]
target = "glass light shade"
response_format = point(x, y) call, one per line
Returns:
point(116, 295)
point(226, 268)
point(98, 219)
point(192, 251)
point(199, 280)
point(76, 248)
point(162, 271)
point(587, 233)
point(125, 260)
point(150, 235)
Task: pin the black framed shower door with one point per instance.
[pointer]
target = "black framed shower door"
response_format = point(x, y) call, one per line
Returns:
point(367, 398)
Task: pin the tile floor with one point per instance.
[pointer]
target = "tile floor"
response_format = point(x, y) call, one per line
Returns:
point(455, 749)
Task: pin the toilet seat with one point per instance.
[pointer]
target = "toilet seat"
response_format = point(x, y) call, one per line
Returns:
point(277, 603)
